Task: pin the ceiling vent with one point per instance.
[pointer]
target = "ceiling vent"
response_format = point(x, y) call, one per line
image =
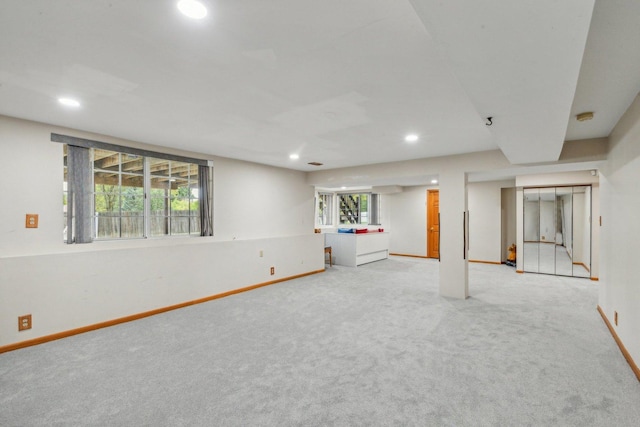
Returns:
point(584, 116)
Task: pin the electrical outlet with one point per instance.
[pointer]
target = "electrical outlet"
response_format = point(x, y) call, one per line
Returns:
point(261, 254)
point(273, 271)
point(615, 317)
point(24, 322)
point(31, 221)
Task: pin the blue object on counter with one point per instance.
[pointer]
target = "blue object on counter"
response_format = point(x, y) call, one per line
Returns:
point(345, 230)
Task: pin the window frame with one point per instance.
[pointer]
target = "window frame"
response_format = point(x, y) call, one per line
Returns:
point(372, 213)
point(198, 176)
point(325, 215)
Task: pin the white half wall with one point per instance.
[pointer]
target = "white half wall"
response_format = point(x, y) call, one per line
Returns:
point(256, 208)
point(66, 291)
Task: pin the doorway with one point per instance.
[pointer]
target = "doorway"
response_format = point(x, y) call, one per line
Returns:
point(433, 224)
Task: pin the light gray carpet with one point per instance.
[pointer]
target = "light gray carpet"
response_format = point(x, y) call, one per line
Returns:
point(369, 346)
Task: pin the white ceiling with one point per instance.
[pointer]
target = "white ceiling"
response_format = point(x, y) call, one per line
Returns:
point(610, 74)
point(337, 82)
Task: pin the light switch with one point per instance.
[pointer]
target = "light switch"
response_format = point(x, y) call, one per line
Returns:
point(32, 221)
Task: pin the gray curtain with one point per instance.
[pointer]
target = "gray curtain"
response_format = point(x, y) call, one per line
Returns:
point(206, 224)
point(79, 212)
point(374, 209)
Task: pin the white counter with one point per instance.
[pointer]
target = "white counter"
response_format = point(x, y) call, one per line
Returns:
point(353, 249)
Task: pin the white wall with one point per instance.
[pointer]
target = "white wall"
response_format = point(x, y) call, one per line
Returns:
point(485, 221)
point(557, 179)
point(408, 221)
point(256, 201)
point(620, 237)
point(70, 286)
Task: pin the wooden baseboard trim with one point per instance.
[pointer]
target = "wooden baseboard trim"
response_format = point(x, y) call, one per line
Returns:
point(71, 332)
point(485, 262)
point(520, 271)
point(595, 279)
point(582, 264)
point(411, 256)
point(623, 349)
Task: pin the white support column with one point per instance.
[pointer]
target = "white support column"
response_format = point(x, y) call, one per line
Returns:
point(454, 264)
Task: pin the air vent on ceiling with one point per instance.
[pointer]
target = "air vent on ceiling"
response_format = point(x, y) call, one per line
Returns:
point(315, 163)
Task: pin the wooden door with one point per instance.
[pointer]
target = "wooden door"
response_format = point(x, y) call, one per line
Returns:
point(433, 223)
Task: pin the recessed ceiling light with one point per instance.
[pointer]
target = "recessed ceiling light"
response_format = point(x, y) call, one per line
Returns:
point(411, 137)
point(343, 188)
point(192, 8)
point(69, 102)
point(294, 156)
point(434, 181)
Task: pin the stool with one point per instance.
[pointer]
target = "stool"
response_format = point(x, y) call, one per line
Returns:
point(327, 250)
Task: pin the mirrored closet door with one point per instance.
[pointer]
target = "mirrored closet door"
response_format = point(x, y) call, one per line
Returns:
point(557, 230)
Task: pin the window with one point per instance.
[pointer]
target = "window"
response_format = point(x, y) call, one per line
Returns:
point(174, 198)
point(118, 195)
point(359, 208)
point(325, 209)
point(113, 192)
